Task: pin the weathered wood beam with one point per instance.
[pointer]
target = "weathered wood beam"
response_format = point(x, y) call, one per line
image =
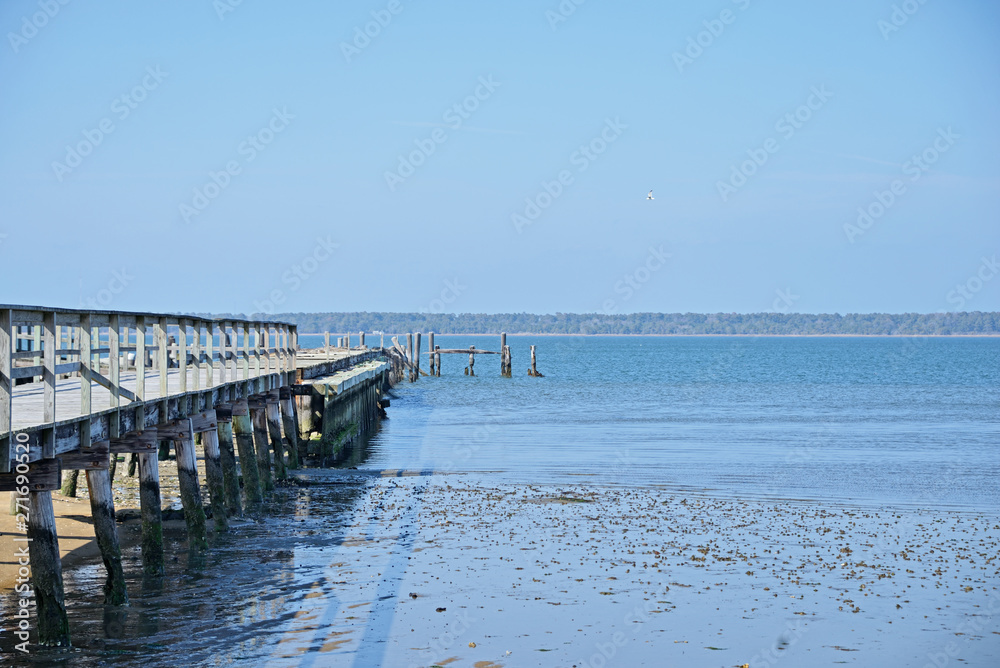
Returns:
point(227, 460)
point(46, 571)
point(214, 478)
point(243, 434)
point(43, 475)
point(187, 474)
point(102, 509)
point(152, 517)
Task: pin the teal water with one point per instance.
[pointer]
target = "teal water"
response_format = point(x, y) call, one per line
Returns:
point(885, 420)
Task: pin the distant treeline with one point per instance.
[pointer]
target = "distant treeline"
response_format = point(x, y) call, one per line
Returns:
point(749, 324)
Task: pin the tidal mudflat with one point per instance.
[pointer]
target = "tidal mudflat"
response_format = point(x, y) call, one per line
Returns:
point(456, 570)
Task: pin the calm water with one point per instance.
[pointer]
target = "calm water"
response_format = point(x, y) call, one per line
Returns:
point(908, 421)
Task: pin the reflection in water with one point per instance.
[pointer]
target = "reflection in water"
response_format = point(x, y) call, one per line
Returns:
point(231, 603)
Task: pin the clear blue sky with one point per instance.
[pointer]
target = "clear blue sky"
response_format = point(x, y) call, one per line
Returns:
point(443, 237)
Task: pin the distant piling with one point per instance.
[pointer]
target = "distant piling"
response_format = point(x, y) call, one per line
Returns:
point(430, 348)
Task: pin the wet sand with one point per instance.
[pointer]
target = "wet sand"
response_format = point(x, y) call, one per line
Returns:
point(369, 568)
point(453, 570)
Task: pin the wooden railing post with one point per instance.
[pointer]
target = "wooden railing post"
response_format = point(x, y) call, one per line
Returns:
point(160, 341)
point(6, 390)
point(140, 358)
point(114, 362)
point(182, 353)
point(49, 381)
point(209, 364)
point(245, 352)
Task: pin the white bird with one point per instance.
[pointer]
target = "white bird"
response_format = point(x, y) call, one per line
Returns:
point(650, 195)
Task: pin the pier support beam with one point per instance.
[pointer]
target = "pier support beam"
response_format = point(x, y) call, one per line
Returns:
point(227, 461)
point(69, 483)
point(290, 426)
point(213, 474)
point(102, 509)
point(152, 517)
point(187, 474)
point(243, 433)
point(273, 414)
point(260, 439)
point(46, 571)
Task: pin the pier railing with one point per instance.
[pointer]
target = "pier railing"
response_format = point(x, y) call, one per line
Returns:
point(85, 363)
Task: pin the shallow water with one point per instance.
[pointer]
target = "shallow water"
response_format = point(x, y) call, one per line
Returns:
point(901, 421)
point(548, 515)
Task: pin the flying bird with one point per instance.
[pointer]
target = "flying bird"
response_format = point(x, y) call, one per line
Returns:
point(650, 195)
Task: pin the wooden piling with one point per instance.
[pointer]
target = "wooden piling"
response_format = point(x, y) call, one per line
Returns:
point(69, 483)
point(152, 518)
point(272, 413)
point(243, 434)
point(290, 426)
point(416, 357)
point(46, 571)
point(472, 360)
point(187, 474)
point(102, 509)
point(227, 460)
point(533, 371)
point(260, 439)
point(437, 359)
point(361, 336)
point(409, 353)
point(503, 353)
point(215, 478)
point(431, 349)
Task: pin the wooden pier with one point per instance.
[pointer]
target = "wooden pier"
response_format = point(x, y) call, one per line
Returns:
point(78, 388)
